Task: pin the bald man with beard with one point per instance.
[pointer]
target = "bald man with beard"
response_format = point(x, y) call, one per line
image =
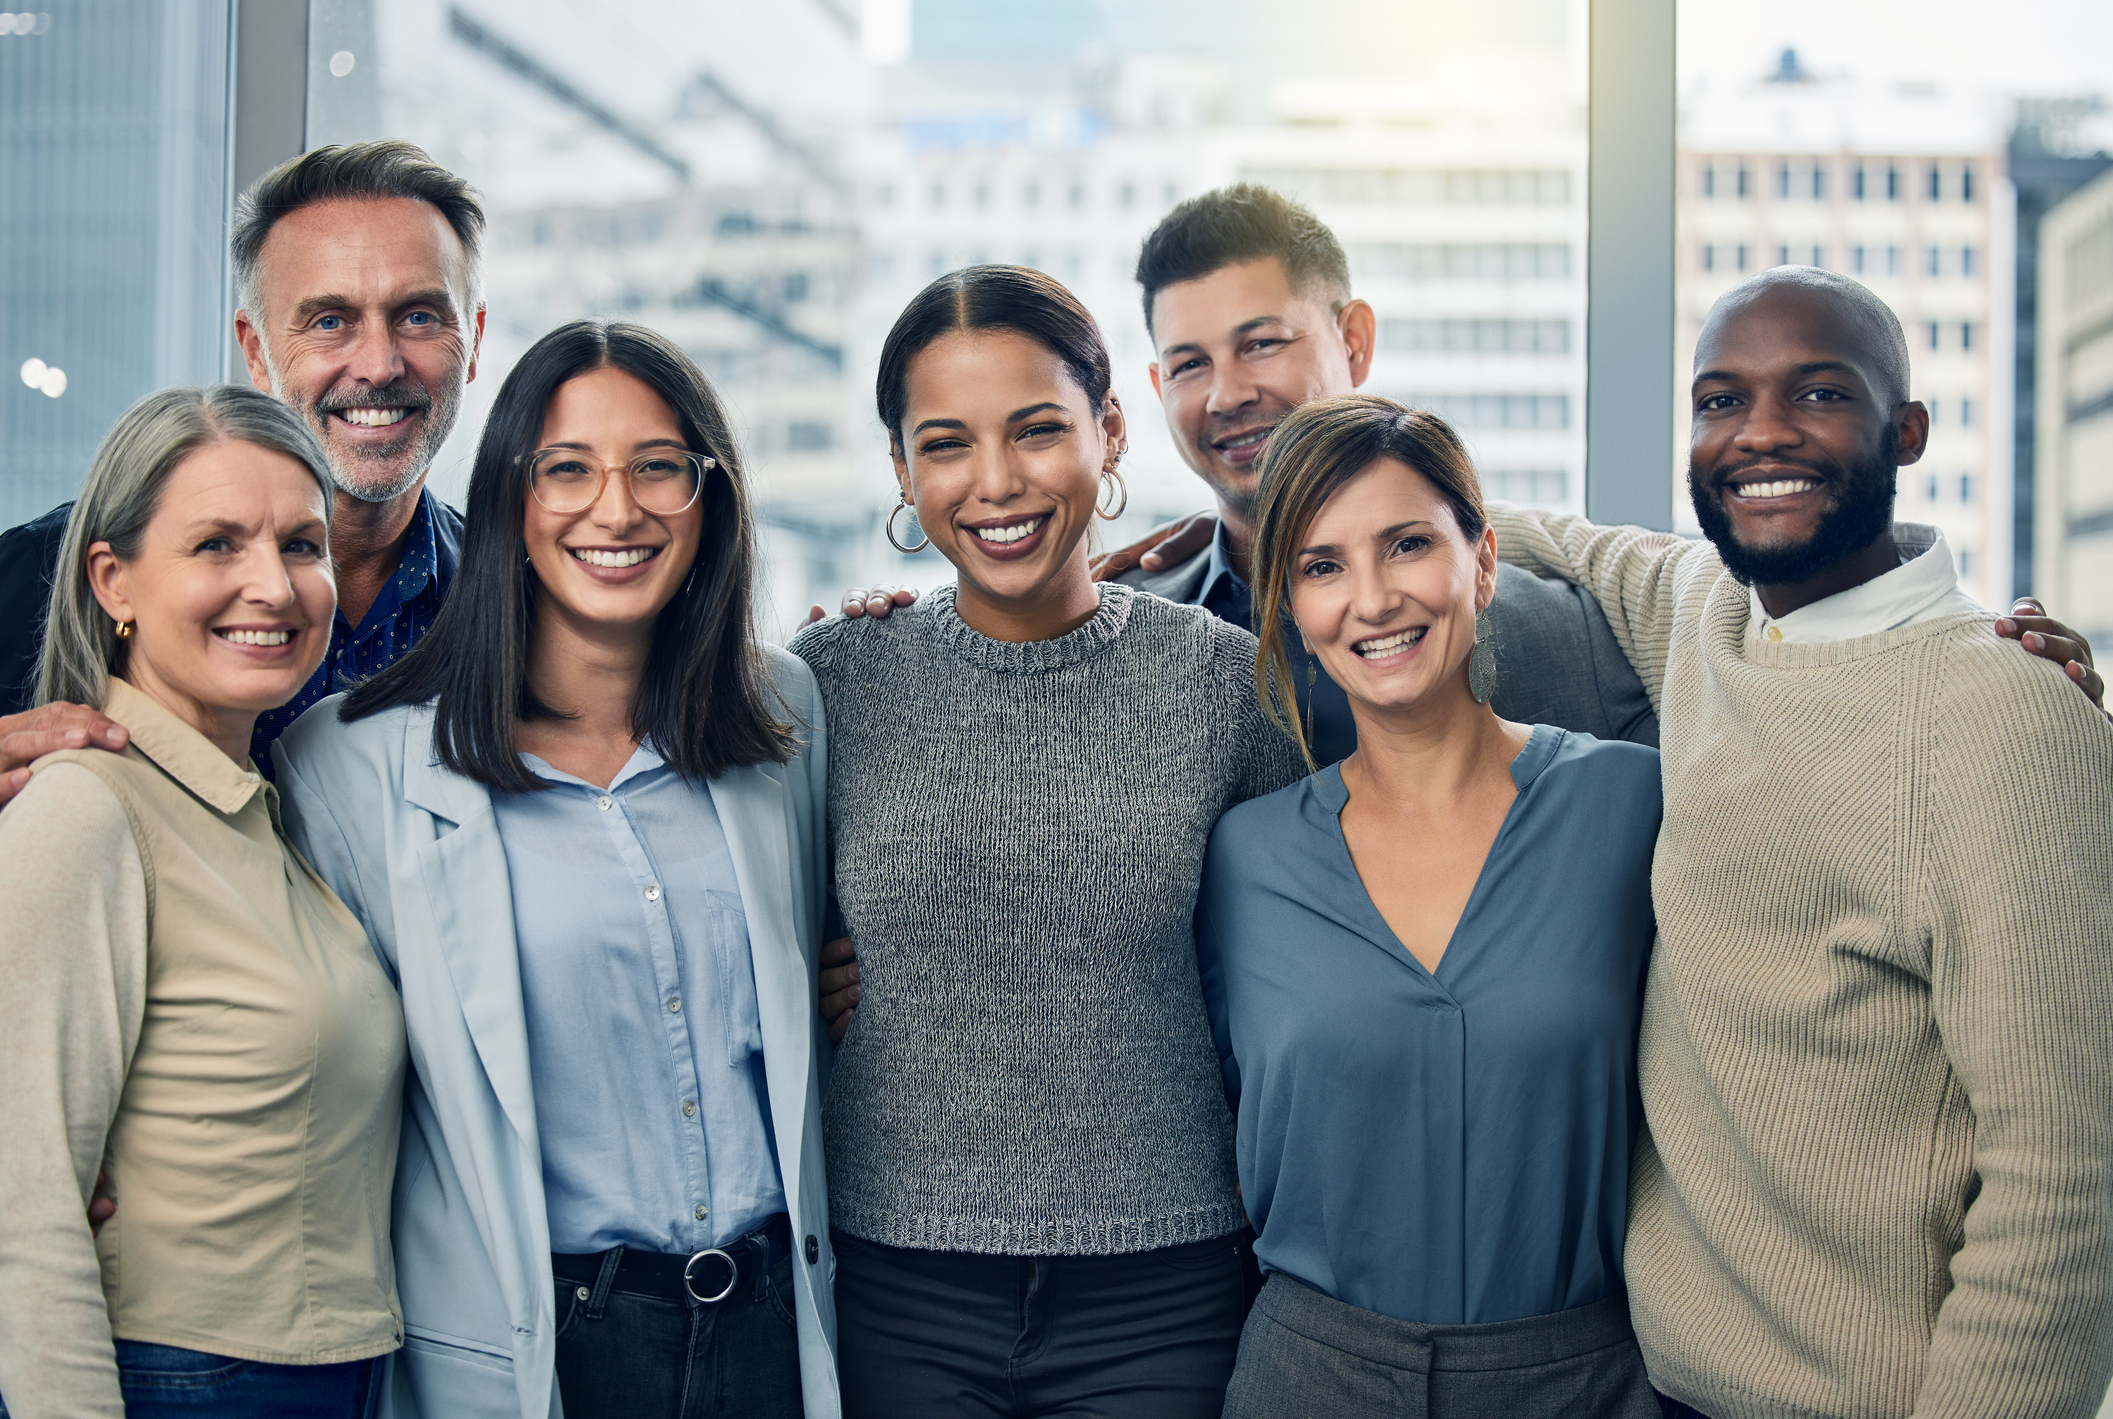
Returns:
point(1877, 1046)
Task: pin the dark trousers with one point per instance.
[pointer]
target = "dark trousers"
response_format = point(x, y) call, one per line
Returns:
point(1674, 1409)
point(627, 1356)
point(1148, 1335)
point(167, 1382)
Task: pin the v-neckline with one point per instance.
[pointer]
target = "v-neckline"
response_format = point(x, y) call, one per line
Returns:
point(1540, 749)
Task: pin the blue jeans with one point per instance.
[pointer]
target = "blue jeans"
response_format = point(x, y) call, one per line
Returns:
point(164, 1382)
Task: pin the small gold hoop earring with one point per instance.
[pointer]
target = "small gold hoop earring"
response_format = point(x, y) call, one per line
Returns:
point(1122, 490)
point(896, 542)
point(124, 630)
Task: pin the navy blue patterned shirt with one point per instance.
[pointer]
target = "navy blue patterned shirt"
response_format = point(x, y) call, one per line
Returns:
point(1330, 731)
point(393, 624)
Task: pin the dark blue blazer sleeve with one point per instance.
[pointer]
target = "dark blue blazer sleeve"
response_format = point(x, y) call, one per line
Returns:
point(29, 554)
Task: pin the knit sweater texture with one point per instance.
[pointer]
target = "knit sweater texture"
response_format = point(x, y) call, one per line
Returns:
point(1018, 833)
point(1877, 1043)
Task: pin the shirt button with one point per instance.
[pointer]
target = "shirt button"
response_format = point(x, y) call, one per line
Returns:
point(674, 1004)
point(703, 1212)
point(689, 1109)
point(652, 894)
point(603, 802)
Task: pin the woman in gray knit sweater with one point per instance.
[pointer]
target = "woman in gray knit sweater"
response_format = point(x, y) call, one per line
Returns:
point(1030, 1154)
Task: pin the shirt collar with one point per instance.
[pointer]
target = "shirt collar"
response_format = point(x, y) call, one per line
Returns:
point(1923, 587)
point(1220, 569)
point(180, 751)
point(644, 760)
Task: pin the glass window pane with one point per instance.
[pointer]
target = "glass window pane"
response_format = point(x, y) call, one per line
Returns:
point(113, 201)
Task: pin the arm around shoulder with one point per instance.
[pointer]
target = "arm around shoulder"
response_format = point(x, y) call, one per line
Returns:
point(73, 949)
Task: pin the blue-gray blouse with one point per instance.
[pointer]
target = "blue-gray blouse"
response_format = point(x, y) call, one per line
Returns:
point(644, 1039)
point(1448, 1149)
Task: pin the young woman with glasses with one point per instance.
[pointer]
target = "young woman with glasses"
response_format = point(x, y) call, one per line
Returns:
point(1030, 1155)
point(583, 821)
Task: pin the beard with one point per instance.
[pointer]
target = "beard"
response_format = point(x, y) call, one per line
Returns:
point(1237, 489)
point(1862, 511)
point(379, 472)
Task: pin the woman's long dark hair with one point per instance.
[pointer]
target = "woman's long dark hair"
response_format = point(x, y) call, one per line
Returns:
point(704, 701)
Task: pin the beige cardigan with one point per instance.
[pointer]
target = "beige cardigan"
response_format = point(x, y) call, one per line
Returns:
point(1877, 1052)
point(189, 1008)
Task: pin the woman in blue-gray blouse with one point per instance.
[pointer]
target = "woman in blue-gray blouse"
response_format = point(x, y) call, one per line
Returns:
point(1424, 968)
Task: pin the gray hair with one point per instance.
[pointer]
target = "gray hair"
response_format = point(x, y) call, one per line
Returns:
point(122, 494)
point(1889, 344)
point(387, 167)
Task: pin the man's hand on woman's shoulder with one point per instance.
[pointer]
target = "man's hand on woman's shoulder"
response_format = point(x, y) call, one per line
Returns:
point(29, 736)
point(876, 602)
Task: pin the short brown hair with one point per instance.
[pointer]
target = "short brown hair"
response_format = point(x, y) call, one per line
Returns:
point(1318, 448)
point(386, 167)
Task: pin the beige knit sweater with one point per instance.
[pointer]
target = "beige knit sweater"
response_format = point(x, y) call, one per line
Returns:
point(1877, 1051)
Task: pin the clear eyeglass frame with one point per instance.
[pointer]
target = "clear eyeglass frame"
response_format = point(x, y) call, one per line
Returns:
point(558, 479)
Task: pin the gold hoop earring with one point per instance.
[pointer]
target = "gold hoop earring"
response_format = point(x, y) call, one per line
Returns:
point(1109, 475)
point(896, 542)
point(124, 630)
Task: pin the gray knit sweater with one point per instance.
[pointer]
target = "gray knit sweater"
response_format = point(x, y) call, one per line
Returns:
point(1018, 831)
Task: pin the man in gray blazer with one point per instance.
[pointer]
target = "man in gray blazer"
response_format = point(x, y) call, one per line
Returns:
point(1247, 297)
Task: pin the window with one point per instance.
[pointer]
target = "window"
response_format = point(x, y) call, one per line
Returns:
point(1932, 405)
point(1709, 258)
point(1819, 256)
point(1966, 487)
point(1966, 413)
point(1935, 342)
point(1966, 334)
point(1856, 253)
point(1936, 183)
point(1966, 183)
point(1892, 183)
point(1966, 261)
point(1489, 336)
point(1819, 182)
point(809, 436)
point(1782, 256)
point(1743, 179)
point(1709, 180)
point(1782, 179)
point(1743, 256)
point(1966, 563)
point(1892, 261)
point(1936, 261)
point(1856, 182)
point(1929, 492)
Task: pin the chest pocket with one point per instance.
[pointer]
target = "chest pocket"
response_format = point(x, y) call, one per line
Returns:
point(740, 1019)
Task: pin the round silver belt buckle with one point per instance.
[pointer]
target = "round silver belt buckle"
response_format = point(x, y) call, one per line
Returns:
point(733, 1276)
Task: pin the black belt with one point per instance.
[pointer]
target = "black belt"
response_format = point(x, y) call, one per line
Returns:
point(706, 1277)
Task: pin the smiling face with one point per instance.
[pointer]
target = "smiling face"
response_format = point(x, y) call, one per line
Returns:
point(1796, 436)
point(231, 595)
point(1238, 350)
point(613, 566)
point(366, 327)
point(1384, 586)
point(1001, 455)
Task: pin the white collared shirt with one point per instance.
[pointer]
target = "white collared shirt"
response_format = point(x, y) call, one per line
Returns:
point(1922, 588)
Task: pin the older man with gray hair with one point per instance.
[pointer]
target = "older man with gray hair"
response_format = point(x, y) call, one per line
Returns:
point(357, 272)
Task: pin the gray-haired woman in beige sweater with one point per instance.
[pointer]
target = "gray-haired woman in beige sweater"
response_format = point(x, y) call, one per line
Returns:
point(190, 1010)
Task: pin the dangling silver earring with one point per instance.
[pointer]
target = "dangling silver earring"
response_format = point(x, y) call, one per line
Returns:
point(896, 542)
point(1122, 493)
point(1482, 664)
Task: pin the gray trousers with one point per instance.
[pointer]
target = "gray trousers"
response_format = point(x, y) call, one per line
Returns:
point(1307, 1355)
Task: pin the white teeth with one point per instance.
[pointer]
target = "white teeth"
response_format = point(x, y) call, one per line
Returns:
point(595, 557)
point(1246, 440)
point(374, 418)
point(1387, 645)
point(257, 637)
point(1780, 488)
point(1013, 533)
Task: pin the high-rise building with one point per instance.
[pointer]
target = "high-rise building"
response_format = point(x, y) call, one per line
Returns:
point(2073, 511)
point(1907, 193)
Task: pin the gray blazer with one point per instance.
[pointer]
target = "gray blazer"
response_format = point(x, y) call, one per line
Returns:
point(1557, 661)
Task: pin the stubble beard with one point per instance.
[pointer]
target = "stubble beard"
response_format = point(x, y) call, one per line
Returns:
point(377, 473)
point(1862, 511)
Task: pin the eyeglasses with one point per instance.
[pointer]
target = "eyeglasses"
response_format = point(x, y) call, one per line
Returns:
point(662, 481)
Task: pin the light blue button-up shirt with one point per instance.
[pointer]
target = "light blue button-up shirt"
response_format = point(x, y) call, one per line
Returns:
point(644, 1042)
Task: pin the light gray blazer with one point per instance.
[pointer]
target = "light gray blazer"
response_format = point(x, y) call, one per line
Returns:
point(1557, 660)
point(414, 850)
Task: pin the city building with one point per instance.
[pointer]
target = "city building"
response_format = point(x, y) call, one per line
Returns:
point(1907, 192)
point(2073, 512)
